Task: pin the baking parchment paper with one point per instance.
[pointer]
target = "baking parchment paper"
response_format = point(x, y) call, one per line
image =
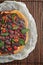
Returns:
point(11, 5)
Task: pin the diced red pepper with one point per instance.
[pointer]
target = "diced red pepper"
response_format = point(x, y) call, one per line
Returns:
point(13, 25)
point(9, 48)
point(4, 30)
point(15, 47)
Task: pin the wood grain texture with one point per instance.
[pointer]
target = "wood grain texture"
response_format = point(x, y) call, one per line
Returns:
point(33, 0)
point(23, 0)
point(35, 57)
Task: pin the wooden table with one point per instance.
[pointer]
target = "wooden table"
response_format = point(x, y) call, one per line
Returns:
point(36, 57)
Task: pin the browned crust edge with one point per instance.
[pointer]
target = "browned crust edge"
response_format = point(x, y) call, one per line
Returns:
point(26, 24)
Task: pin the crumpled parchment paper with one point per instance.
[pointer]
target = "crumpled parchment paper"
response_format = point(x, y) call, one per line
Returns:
point(11, 5)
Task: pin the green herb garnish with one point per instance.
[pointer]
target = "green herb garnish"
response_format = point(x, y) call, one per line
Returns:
point(5, 34)
point(21, 42)
point(23, 31)
point(15, 27)
point(12, 40)
point(1, 43)
point(2, 21)
point(13, 16)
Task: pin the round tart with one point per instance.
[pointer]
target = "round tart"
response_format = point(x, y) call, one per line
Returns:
point(13, 32)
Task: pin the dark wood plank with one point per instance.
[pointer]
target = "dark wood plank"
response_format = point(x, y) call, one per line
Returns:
point(8, 0)
point(23, 0)
point(37, 54)
point(41, 50)
point(34, 9)
point(33, 0)
point(35, 58)
point(37, 11)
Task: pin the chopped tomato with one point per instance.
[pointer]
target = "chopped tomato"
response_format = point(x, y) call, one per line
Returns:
point(9, 48)
point(3, 30)
point(16, 38)
point(15, 47)
point(13, 25)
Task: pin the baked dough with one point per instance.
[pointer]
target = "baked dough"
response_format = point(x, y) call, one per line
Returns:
point(26, 24)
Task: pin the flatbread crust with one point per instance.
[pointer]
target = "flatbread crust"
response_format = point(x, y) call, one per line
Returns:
point(26, 24)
